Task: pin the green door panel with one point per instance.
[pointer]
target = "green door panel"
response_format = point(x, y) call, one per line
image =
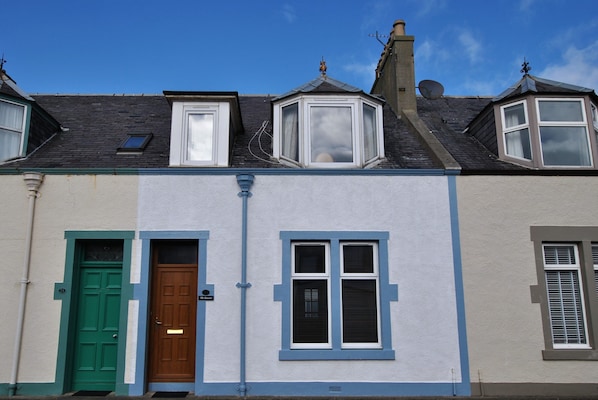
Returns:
point(96, 328)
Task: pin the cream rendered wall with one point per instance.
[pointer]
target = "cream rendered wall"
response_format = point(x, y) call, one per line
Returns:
point(413, 209)
point(71, 202)
point(13, 220)
point(504, 328)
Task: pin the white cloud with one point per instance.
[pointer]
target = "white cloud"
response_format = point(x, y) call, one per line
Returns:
point(430, 52)
point(364, 72)
point(288, 11)
point(427, 7)
point(472, 47)
point(526, 5)
point(579, 67)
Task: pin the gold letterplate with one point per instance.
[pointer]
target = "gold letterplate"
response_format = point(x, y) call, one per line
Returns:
point(174, 331)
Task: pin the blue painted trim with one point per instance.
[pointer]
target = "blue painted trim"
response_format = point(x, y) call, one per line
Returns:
point(388, 293)
point(171, 387)
point(331, 389)
point(172, 171)
point(463, 388)
point(141, 294)
point(338, 354)
point(245, 181)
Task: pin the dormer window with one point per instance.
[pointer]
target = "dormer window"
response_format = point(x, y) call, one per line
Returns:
point(516, 130)
point(12, 129)
point(202, 129)
point(563, 133)
point(332, 131)
point(556, 135)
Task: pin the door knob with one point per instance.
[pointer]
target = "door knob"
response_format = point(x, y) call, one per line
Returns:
point(115, 335)
point(157, 322)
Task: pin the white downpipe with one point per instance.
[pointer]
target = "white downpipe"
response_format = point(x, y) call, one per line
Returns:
point(33, 180)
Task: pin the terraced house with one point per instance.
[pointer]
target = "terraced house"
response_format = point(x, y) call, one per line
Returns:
point(324, 242)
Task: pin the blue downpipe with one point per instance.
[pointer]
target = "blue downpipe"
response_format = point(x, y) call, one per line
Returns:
point(244, 181)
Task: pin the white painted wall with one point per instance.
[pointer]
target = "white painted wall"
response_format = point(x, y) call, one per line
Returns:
point(413, 209)
point(504, 327)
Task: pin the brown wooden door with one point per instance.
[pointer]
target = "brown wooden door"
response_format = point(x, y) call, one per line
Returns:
point(173, 313)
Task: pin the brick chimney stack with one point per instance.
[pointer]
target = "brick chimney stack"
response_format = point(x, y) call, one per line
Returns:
point(395, 73)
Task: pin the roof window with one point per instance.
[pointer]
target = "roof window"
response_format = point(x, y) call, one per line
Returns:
point(135, 143)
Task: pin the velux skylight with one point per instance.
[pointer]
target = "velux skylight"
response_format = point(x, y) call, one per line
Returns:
point(135, 143)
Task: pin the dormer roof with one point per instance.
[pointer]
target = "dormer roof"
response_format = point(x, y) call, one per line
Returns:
point(533, 84)
point(324, 84)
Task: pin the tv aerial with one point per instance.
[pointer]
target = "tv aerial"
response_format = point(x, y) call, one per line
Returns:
point(431, 90)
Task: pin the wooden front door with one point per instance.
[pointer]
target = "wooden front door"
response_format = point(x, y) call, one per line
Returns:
point(173, 312)
point(96, 326)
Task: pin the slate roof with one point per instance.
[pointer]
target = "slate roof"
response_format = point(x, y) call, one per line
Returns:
point(94, 126)
point(448, 118)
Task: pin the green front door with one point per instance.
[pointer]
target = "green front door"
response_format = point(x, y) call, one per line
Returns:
point(96, 328)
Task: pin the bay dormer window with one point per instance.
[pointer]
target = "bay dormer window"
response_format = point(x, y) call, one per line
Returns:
point(12, 129)
point(548, 132)
point(516, 130)
point(332, 131)
point(563, 131)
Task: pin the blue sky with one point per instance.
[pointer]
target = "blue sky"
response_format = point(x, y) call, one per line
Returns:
point(473, 47)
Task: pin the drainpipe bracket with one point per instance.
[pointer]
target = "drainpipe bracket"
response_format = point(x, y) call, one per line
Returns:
point(243, 285)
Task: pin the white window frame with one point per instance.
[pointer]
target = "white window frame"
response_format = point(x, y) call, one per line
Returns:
point(305, 103)
point(179, 131)
point(20, 132)
point(575, 267)
point(506, 130)
point(339, 276)
point(581, 124)
point(374, 275)
point(313, 276)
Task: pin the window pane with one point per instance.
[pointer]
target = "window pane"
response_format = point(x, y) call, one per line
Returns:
point(103, 250)
point(559, 255)
point(561, 111)
point(200, 136)
point(360, 316)
point(331, 134)
point(290, 132)
point(310, 259)
point(177, 252)
point(310, 311)
point(370, 139)
point(565, 145)
point(518, 144)
point(9, 144)
point(11, 116)
point(514, 115)
point(565, 307)
point(358, 259)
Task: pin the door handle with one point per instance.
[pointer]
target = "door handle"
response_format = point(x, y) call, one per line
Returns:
point(115, 335)
point(157, 322)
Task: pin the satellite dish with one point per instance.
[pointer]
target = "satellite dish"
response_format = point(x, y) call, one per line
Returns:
point(431, 90)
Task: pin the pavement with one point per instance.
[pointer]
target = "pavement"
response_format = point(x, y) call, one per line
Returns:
point(191, 396)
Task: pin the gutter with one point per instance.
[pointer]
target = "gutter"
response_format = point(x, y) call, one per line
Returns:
point(33, 180)
point(245, 181)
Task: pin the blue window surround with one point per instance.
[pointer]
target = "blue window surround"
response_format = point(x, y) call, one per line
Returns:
point(388, 293)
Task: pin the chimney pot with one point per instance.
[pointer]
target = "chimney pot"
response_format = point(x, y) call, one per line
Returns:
point(399, 27)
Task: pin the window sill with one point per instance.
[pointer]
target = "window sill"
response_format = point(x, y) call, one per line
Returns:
point(346, 354)
point(571, 354)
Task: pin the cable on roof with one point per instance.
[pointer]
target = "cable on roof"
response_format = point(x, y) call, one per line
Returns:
point(258, 134)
